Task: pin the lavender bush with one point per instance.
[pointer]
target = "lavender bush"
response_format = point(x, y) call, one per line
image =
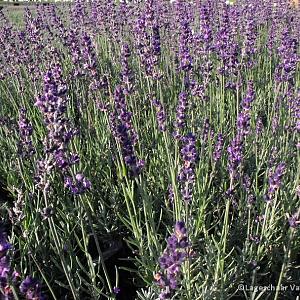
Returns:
point(150, 150)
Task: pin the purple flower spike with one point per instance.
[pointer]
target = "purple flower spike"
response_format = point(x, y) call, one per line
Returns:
point(185, 37)
point(171, 260)
point(126, 73)
point(53, 106)
point(4, 244)
point(243, 121)
point(235, 155)
point(227, 47)
point(160, 115)
point(218, 147)
point(5, 269)
point(186, 176)
point(31, 288)
point(171, 194)
point(294, 221)
point(275, 181)
point(79, 186)
point(287, 67)
point(259, 126)
point(124, 133)
point(181, 114)
point(249, 45)
point(25, 147)
point(147, 31)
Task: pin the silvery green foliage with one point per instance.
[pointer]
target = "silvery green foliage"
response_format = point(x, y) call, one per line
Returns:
point(147, 294)
point(148, 113)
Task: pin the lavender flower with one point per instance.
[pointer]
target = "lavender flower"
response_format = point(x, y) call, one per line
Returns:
point(286, 69)
point(235, 155)
point(78, 13)
point(78, 186)
point(4, 244)
point(255, 238)
point(25, 146)
point(298, 191)
point(129, 156)
point(206, 35)
point(148, 41)
point(243, 121)
point(275, 124)
point(206, 129)
point(293, 220)
point(122, 113)
point(16, 213)
point(123, 131)
point(171, 193)
point(5, 270)
point(235, 150)
point(160, 115)
point(126, 73)
point(246, 182)
point(116, 290)
point(259, 126)
point(218, 147)
point(251, 199)
point(206, 48)
point(156, 41)
point(6, 291)
point(181, 114)
point(271, 38)
point(273, 157)
point(197, 90)
point(90, 62)
point(53, 105)
point(250, 96)
point(186, 176)
point(226, 47)
point(249, 48)
point(171, 260)
point(185, 59)
point(72, 41)
point(31, 288)
point(275, 178)
point(185, 37)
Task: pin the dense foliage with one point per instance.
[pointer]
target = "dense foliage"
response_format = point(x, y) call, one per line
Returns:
point(150, 149)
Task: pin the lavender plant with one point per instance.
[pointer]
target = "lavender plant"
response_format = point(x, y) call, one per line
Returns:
point(120, 120)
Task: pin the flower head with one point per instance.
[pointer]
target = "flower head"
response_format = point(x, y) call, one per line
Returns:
point(171, 260)
point(78, 186)
point(275, 178)
point(31, 288)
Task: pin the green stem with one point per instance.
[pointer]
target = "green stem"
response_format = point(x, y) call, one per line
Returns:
point(285, 264)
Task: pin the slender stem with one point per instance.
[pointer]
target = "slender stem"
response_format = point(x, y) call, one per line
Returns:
point(87, 209)
point(286, 259)
point(59, 250)
point(44, 277)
